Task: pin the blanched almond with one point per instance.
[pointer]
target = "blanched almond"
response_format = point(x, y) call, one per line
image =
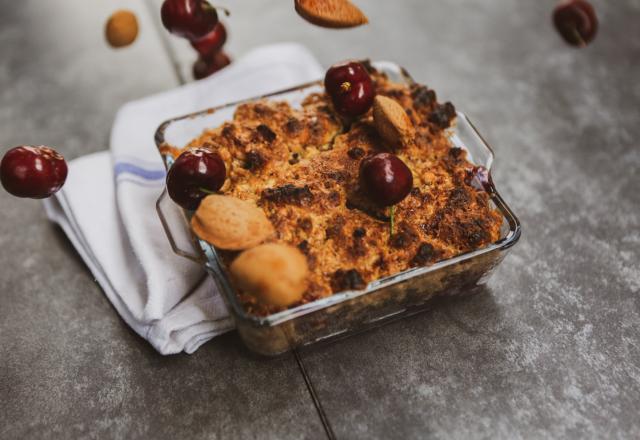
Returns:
point(230, 223)
point(331, 13)
point(392, 122)
point(276, 274)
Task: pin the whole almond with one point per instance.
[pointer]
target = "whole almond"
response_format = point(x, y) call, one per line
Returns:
point(276, 274)
point(230, 223)
point(392, 122)
point(331, 13)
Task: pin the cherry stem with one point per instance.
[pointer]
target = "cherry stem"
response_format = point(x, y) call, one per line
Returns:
point(206, 191)
point(223, 9)
point(392, 211)
point(578, 37)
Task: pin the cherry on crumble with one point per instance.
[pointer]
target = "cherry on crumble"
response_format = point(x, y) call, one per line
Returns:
point(194, 175)
point(386, 178)
point(350, 88)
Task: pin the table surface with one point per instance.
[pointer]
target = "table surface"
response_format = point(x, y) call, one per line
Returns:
point(552, 349)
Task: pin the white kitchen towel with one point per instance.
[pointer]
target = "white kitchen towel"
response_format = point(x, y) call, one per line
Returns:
point(107, 206)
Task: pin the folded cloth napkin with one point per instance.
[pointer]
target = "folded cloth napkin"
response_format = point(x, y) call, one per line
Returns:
point(107, 206)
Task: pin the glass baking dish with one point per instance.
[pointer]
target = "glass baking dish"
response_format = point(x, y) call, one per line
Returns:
point(343, 313)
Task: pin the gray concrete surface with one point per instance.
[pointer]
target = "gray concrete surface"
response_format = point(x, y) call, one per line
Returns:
point(550, 350)
point(69, 366)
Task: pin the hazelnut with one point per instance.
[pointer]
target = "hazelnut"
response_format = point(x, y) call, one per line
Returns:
point(121, 28)
point(276, 274)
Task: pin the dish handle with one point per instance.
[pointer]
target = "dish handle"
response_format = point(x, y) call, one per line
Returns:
point(176, 227)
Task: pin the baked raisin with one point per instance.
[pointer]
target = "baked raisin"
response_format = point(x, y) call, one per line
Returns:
point(423, 96)
point(442, 115)
point(288, 194)
point(293, 126)
point(456, 152)
point(254, 161)
point(304, 247)
point(347, 280)
point(266, 133)
point(458, 198)
point(426, 253)
point(359, 232)
point(305, 224)
point(355, 153)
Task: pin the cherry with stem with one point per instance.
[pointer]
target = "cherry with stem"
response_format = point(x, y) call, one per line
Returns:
point(387, 180)
point(576, 22)
point(350, 88)
point(195, 174)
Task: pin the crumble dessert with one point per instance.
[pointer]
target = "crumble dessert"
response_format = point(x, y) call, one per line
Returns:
point(301, 167)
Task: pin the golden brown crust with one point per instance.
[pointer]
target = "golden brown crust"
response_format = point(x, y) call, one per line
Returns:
point(302, 170)
point(230, 223)
point(273, 273)
point(331, 13)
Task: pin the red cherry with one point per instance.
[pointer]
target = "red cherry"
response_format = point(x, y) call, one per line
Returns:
point(576, 22)
point(204, 67)
point(350, 88)
point(208, 45)
point(193, 175)
point(386, 178)
point(191, 19)
point(34, 172)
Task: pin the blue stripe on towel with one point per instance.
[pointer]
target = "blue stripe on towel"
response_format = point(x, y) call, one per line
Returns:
point(129, 168)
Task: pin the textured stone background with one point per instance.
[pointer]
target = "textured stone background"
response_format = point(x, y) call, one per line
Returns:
point(551, 349)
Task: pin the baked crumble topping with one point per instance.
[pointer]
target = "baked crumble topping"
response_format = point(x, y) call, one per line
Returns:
point(301, 167)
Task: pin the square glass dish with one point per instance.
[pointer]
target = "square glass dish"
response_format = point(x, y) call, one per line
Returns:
point(347, 312)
